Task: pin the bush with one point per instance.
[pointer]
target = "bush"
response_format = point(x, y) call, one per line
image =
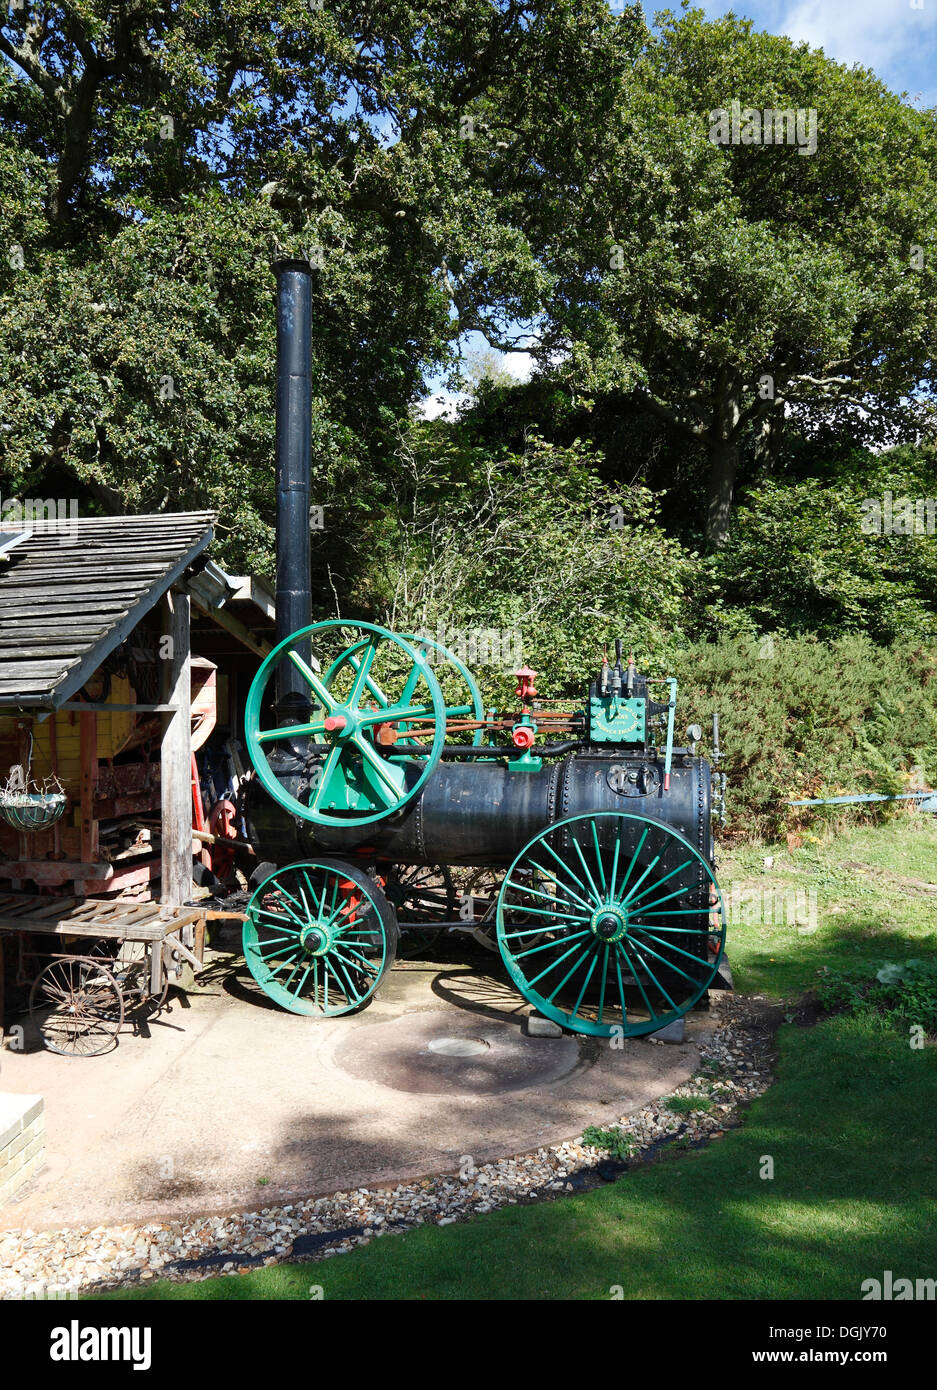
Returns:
point(904, 995)
point(800, 718)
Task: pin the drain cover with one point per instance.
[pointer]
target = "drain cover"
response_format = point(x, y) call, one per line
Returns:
point(449, 1052)
point(458, 1047)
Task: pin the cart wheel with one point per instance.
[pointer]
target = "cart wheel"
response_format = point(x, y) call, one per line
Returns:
point(319, 937)
point(607, 924)
point(129, 963)
point(421, 895)
point(77, 1006)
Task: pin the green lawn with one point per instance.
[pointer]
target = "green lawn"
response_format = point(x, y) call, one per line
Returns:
point(848, 1124)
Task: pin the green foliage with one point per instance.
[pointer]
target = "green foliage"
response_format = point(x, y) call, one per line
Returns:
point(799, 718)
point(531, 543)
point(688, 273)
point(613, 1139)
point(903, 994)
point(803, 557)
point(688, 1105)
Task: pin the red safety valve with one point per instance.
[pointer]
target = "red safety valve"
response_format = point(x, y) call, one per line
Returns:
point(526, 689)
point(523, 735)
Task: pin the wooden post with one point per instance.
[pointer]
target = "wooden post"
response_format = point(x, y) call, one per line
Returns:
point(88, 750)
point(176, 750)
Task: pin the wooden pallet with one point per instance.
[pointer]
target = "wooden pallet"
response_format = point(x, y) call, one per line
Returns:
point(118, 921)
point(160, 927)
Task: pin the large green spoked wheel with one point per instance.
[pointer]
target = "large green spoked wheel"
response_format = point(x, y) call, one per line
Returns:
point(461, 695)
point(359, 768)
point(319, 937)
point(611, 924)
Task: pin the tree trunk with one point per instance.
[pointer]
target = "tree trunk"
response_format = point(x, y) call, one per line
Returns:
point(724, 460)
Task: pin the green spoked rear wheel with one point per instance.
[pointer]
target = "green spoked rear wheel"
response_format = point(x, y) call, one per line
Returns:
point(319, 936)
point(611, 924)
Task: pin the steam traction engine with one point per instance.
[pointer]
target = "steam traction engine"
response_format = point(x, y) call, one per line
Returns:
point(378, 769)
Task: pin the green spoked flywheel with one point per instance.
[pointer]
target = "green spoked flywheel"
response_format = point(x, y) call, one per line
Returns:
point(363, 763)
point(461, 696)
point(611, 923)
point(319, 936)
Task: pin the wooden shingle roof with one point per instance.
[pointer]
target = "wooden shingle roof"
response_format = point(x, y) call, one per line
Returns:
point(69, 597)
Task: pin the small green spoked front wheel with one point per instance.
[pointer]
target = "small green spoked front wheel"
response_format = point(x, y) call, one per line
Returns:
point(611, 924)
point(319, 937)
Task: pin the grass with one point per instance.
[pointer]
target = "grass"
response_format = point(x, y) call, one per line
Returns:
point(847, 1126)
point(872, 899)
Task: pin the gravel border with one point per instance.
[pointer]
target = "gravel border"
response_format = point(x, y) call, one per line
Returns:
point(736, 1066)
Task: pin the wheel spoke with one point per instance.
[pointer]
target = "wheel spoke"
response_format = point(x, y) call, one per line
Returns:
point(395, 713)
point(642, 946)
point(290, 731)
point(700, 960)
point(585, 983)
point(634, 860)
point(620, 951)
point(311, 679)
point(654, 862)
point(380, 767)
point(553, 964)
point(565, 886)
point(361, 674)
point(585, 868)
point(571, 971)
point(547, 945)
point(631, 898)
point(332, 757)
point(598, 857)
point(604, 982)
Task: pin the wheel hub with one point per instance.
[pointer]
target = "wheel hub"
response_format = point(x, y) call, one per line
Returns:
point(315, 939)
point(341, 724)
point(609, 923)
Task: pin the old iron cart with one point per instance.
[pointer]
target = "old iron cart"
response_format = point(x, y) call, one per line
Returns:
point(378, 768)
point(105, 963)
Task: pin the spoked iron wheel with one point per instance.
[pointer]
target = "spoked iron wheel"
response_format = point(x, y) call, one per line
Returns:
point(422, 895)
point(611, 924)
point(362, 761)
point(77, 1006)
point(319, 937)
point(129, 963)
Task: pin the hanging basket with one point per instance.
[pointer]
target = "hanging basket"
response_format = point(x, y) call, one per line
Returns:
point(31, 810)
point(26, 806)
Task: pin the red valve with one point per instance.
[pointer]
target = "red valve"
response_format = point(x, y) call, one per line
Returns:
point(526, 690)
point(333, 722)
point(523, 735)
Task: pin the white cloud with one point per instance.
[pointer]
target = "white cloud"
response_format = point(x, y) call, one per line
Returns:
point(879, 34)
point(519, 364)
point(443, 404)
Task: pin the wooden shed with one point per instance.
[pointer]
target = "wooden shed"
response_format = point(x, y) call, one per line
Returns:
point(118, 640)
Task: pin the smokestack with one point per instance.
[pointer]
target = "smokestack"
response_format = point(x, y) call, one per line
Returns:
point(293, 443)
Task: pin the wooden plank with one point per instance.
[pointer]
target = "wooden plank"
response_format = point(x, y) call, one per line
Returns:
point(60, 906)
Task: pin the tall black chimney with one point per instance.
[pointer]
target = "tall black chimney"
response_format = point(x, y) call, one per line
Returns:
point(293, 443)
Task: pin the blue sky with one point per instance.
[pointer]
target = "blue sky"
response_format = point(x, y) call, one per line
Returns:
point(892, 37)
point(898, 42)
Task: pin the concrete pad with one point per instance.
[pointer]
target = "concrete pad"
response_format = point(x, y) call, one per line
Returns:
point(231, 1103)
